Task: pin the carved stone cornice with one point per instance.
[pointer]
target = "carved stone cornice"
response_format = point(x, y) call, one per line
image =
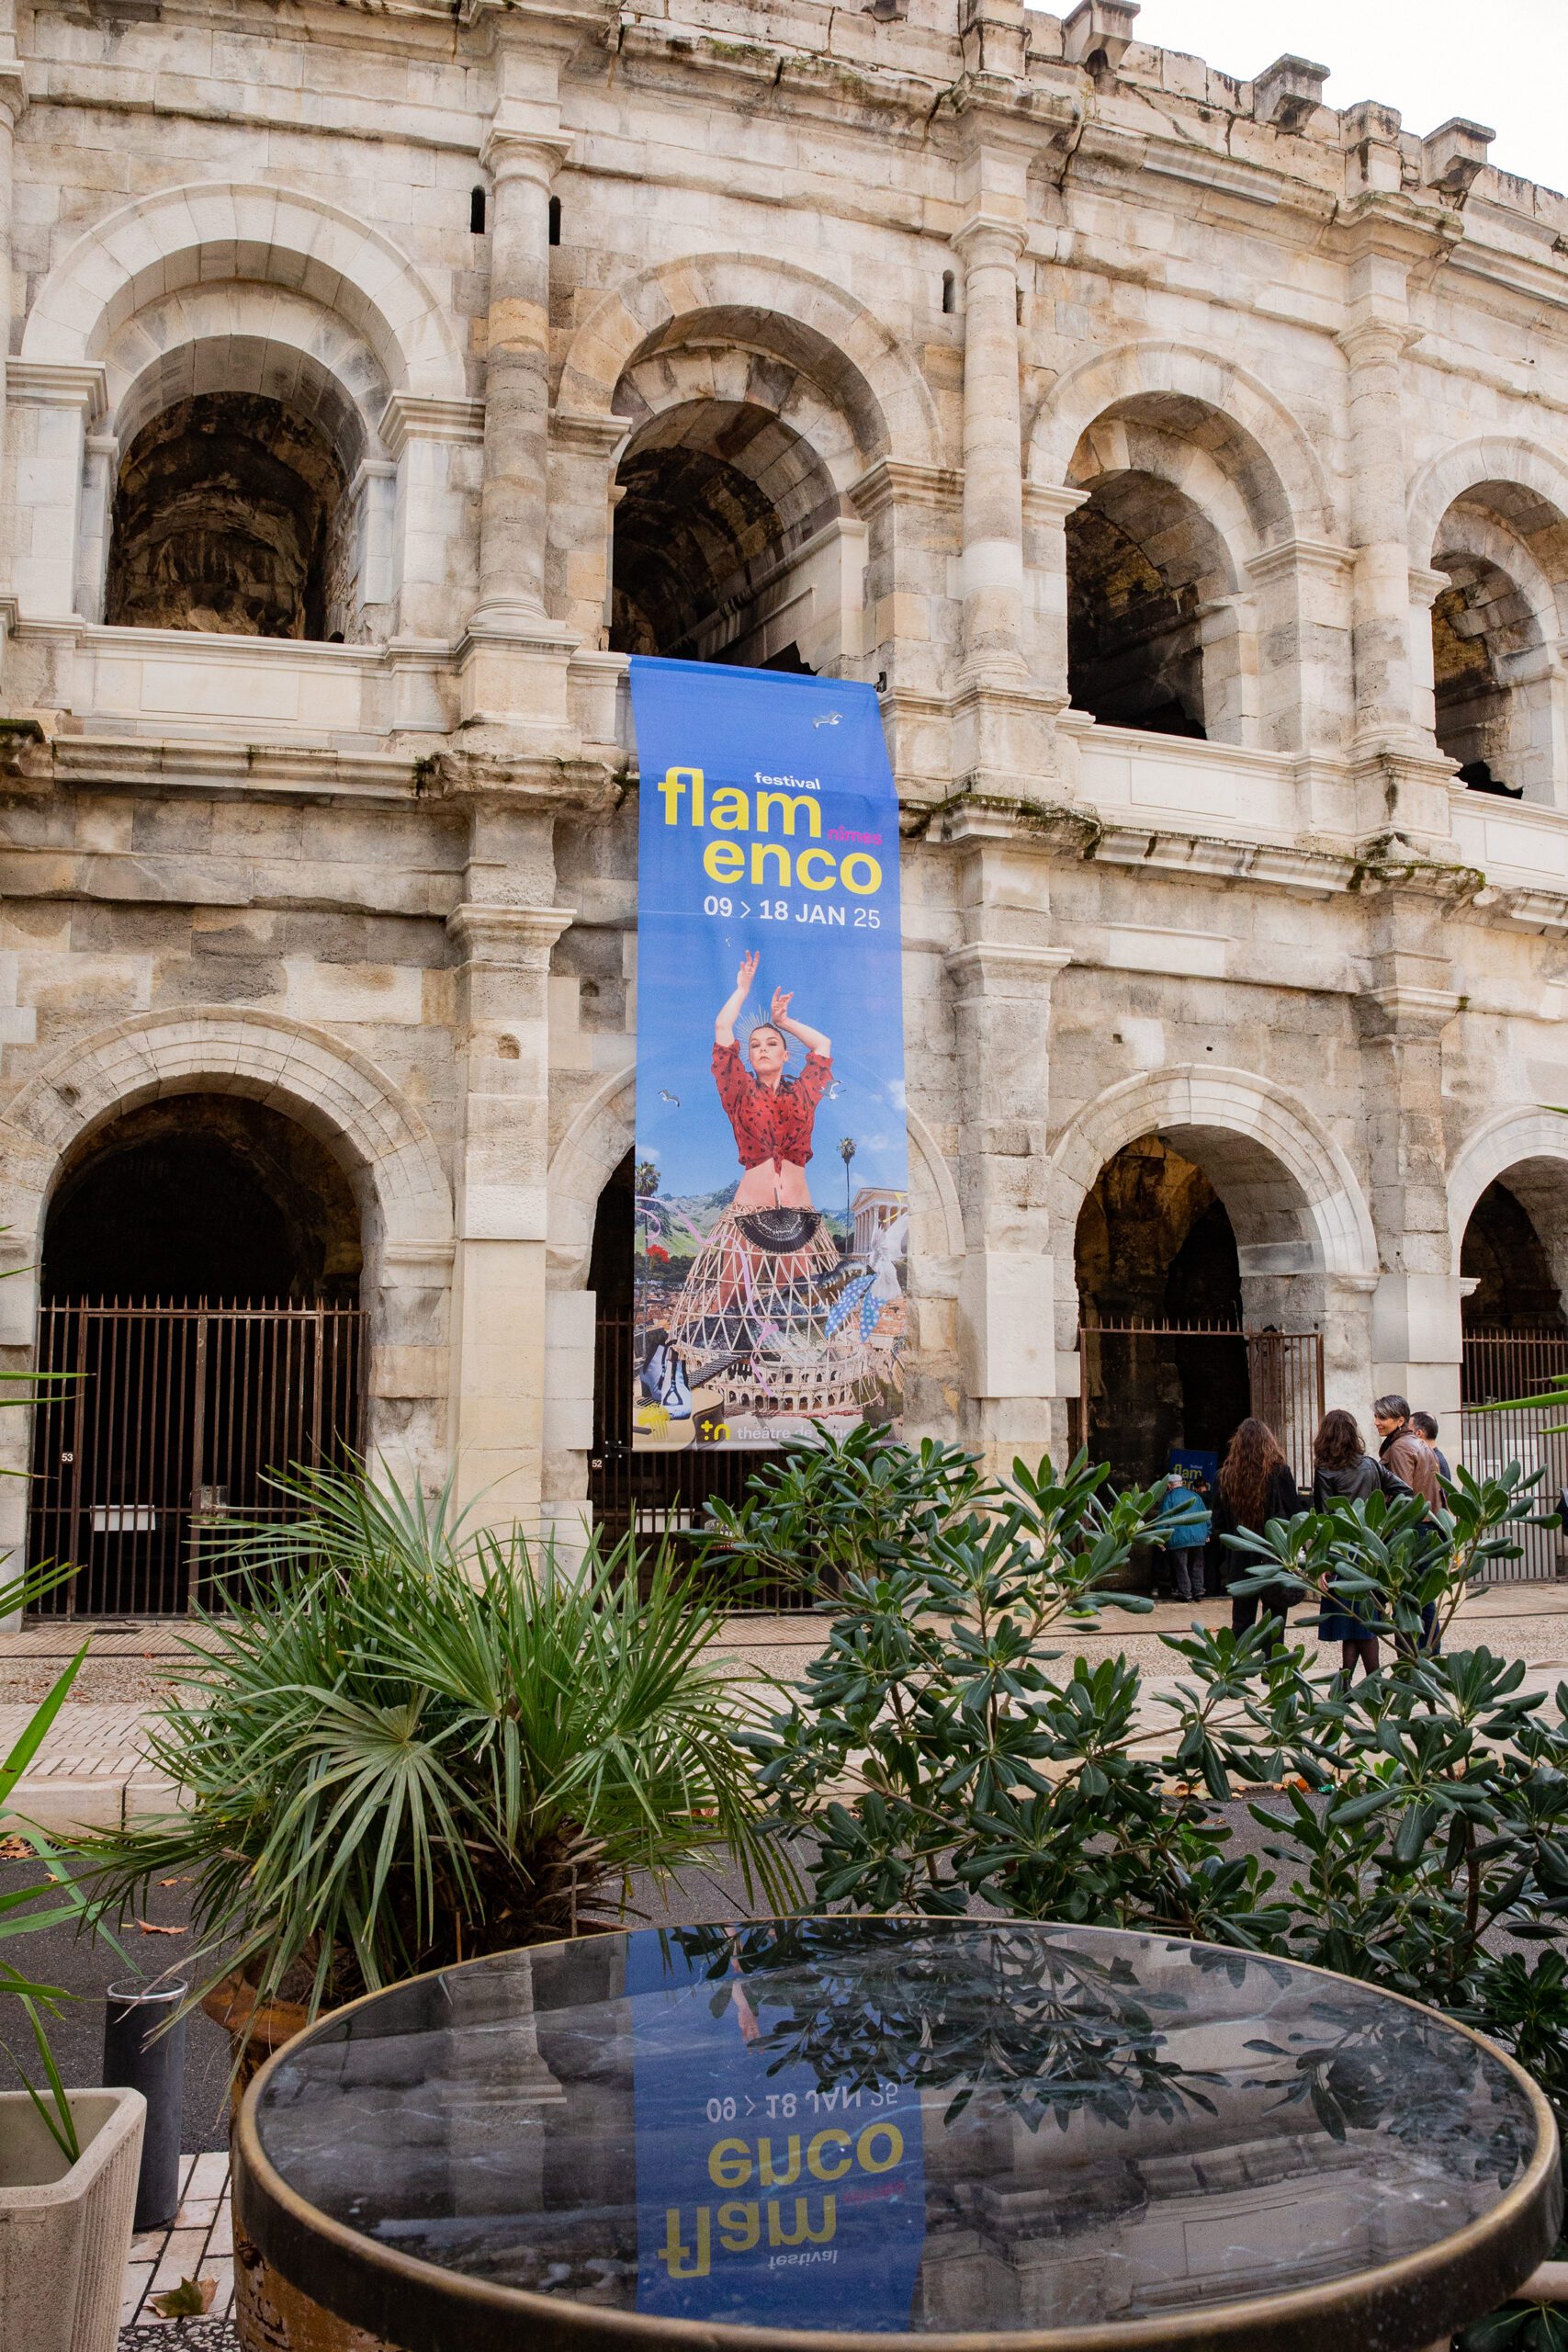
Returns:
point(1004, 967)
point(522, 779)
point(1305, 557)
point(519, 937)
point(894, 482)
point(587, 432)
point(409, 416)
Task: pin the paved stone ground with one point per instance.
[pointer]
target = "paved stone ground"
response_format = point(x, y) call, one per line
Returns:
point(92, 1770)
point(198, 2243)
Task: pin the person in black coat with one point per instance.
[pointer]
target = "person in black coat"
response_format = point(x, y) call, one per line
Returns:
point(1255, 1484)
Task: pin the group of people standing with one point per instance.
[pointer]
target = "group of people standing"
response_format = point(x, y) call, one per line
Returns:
point(1257, 1484)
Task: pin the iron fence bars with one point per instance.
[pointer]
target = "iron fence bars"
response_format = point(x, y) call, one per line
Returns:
point(1497, 1367)
point(165, 1428)
point(1279, 1373)
point(653, 1496)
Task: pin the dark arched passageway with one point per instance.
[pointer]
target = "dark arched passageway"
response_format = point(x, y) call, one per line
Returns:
point(718, 497)
point(229, 518)
point(200, 1333)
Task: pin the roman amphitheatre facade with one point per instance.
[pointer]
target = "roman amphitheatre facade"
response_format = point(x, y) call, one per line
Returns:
point(1184, 462)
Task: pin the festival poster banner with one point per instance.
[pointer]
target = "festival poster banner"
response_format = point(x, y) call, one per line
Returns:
point(771, 1160)
point(765, 2195)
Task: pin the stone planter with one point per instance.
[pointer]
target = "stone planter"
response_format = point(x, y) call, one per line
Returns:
point(269, 2314)
point(66, 2229)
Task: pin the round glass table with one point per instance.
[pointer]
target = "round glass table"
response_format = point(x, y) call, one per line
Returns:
point(844, 2131)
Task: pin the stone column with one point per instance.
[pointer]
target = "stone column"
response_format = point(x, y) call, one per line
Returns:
point(504, 942)
point(517, 363)
point(1388, 747)
point(1417, 1344)
point(13, 98)
point(993, 450)
point(1001, 977)
point(513, 656)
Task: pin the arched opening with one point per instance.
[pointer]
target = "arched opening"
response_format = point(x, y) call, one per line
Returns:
point(1164, 1364)
point(1479, 622)
point(1143, 569)
point(1516, 1285)
point(230, 518)
point(1514, 1257)
point(726, 545)
point(1504, 550)
point(201, 1275)
point(203, 1197)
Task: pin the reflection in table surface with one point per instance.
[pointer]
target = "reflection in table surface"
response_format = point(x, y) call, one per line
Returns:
point(897, 2125)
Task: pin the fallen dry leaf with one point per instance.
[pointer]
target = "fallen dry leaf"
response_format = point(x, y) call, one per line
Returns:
point(15, 1849)
point(174, 1882)
point(187, 2300)
point(151, 1927)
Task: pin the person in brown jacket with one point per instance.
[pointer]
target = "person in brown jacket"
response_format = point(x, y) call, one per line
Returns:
point(1406, 1453)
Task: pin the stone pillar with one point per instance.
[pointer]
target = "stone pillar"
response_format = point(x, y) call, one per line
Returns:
point(498, 1349)
point(13, 98)
point(1415, 1333)
point(517, 368)
point(1046, 506)
point(990, 246)
point(1402, 787)
point(514, 657)
point(1001, 977)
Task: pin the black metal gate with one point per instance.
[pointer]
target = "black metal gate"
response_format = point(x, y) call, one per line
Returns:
point(165, 1425)
point(1499, 1366)
point(1284, 1373)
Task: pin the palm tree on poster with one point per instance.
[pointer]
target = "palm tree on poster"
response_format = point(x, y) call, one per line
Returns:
point(846, 1153)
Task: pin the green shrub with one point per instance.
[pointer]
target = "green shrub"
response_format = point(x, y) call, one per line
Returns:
point(408, 1743)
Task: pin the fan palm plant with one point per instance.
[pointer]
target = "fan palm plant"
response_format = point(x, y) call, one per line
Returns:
point(408, 1742)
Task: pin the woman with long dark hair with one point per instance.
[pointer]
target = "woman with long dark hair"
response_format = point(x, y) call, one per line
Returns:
point(1344, 1471)
point(1255, 1484)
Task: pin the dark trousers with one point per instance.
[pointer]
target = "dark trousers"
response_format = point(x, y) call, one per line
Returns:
point(1245, 1606)
point(1187, 1567)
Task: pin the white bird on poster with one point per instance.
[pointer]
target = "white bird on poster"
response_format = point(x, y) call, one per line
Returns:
point(665, 1096)
point(831, 720)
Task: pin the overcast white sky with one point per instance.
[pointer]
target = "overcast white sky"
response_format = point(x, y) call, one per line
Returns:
point(1498, 62)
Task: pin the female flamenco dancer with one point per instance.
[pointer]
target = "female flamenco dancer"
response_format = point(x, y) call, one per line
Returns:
point(758, 1293)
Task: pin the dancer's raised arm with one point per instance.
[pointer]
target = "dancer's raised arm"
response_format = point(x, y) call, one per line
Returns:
point(729, 1011)
point(812, 1039)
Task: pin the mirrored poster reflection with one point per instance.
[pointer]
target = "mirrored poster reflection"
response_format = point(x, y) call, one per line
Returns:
point(772, 1165)
point(762, 2195)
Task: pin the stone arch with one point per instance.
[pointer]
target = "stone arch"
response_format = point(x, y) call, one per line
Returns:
point(298, 353)
point(1527, 1147)
point(258, 236)
point(769, 306)
point(599, 1134)
point(1290, 1191)
point(1244, 426)
point(1524, 485)
point(328, 1088)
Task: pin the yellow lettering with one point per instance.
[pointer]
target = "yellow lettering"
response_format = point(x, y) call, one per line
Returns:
point(682, 2263)
point(872, 874)
point(729, 2164)
point(724, 861)
point(675, 781)
point(765, 2173)
point(746, 2224)
point(809, 860)
point(813, 2156)
point(789, 802)
point(868, 2163)
point(760, 851)
point(731, 810)
point(803, 2231)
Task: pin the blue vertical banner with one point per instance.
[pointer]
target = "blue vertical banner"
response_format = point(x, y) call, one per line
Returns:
point(765, 2195)
point(771, 1159)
